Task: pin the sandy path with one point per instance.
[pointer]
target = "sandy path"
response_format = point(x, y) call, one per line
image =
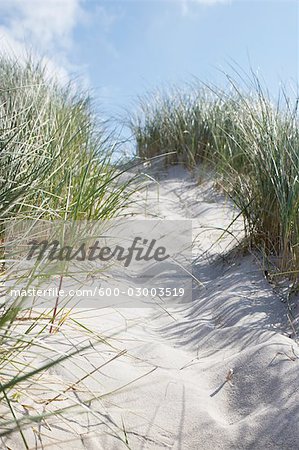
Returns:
point(183, 355)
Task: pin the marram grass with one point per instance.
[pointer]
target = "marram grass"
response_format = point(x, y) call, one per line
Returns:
point(55, 163)
point(251, 141)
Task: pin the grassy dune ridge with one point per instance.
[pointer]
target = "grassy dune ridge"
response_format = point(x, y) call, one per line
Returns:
point(251, 142)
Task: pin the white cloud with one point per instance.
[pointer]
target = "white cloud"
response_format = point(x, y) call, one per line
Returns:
point(45, 27)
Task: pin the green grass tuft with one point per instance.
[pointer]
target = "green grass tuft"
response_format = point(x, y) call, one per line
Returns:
point(251, 142)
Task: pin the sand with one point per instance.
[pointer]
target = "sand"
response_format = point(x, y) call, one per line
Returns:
point(218, 373)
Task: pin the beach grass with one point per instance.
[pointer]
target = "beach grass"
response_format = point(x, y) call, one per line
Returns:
point(56, 163)
point(250, 140)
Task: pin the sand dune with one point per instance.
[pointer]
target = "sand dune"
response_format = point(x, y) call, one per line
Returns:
point(220, 372)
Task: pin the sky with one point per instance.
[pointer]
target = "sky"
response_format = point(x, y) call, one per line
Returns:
point(122, 49)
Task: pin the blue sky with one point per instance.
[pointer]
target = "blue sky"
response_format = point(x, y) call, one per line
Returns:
point(120, 49)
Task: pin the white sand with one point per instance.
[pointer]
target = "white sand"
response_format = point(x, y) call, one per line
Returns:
point(183, 355)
